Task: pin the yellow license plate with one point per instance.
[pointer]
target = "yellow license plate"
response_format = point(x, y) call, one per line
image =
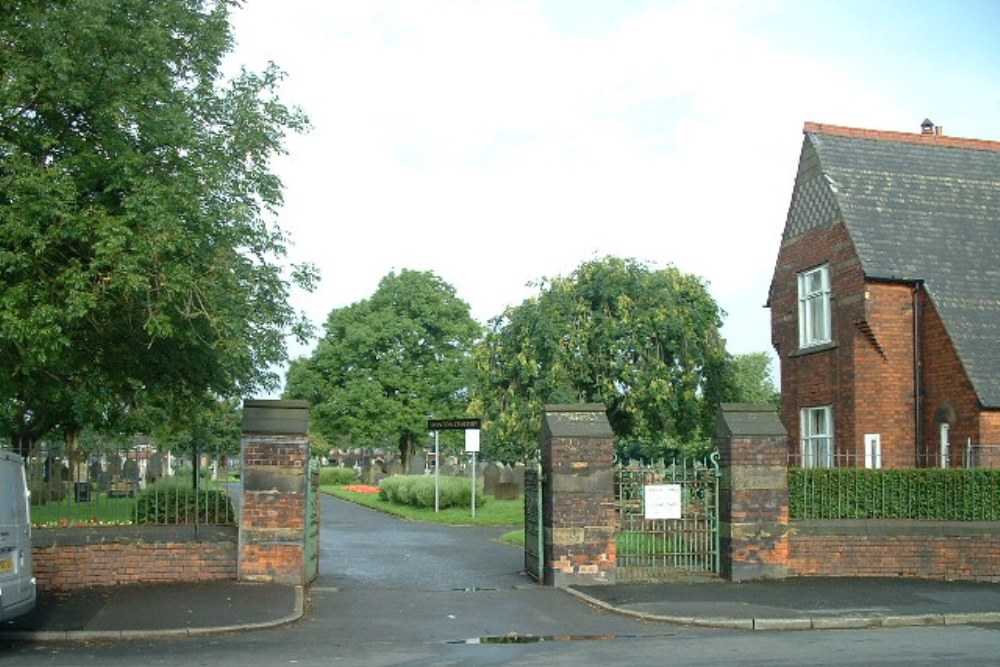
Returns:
point(6, 564)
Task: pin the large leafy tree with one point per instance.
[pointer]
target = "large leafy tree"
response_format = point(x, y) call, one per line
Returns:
point(388, 363)
point(643, 342)
point(751, 380)
point(139, 261)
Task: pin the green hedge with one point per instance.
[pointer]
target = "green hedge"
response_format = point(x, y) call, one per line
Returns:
point(418, 490)
point(337, 476)
point(169, 502)
point(953, 494)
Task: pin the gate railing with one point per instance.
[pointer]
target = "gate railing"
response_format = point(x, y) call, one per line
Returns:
point(668, 518)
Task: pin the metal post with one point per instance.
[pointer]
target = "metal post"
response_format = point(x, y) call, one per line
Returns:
point(437, 473)
point(541, 524)
point(473, 485)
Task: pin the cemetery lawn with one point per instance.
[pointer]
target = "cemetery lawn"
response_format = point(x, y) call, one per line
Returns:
point(491, 513)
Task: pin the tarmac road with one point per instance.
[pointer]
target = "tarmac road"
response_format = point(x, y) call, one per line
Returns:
point(392, 592)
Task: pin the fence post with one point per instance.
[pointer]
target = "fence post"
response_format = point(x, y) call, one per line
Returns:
point(274, 507)
point(753, 449)
point(578, 492)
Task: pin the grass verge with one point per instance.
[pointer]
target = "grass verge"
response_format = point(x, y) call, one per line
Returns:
point(493, 513)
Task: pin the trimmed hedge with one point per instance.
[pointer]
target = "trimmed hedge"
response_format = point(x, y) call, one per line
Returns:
point(418, 490)
point(337, 476)
point(170, 502)
point(944, 494)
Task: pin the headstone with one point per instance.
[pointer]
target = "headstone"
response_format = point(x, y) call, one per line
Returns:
point(418, 465)
point(518, 473)
point(394, 467)
point(505, 491)
point(491, 475)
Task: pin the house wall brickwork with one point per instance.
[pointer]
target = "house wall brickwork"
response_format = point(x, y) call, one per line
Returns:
point(867, 372)
point(948, 395)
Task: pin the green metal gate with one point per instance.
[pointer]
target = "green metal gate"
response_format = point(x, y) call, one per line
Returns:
point(312, 522)
point(668, 519)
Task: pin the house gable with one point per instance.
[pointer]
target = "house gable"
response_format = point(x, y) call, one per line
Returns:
point(918, 208)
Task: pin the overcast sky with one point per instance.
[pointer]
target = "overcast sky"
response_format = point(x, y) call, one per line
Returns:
point(498, 142)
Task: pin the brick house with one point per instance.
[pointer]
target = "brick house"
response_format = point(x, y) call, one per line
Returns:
point(885, 300)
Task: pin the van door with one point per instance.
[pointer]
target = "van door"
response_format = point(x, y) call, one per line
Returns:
point(17, 579)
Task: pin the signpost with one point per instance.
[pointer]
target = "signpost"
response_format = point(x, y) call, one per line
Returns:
point(470, 426)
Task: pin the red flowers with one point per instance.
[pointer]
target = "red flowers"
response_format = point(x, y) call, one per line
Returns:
point(361, 488)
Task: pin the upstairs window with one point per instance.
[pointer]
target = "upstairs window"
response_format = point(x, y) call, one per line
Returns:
point(817, 437)
point(814, 307)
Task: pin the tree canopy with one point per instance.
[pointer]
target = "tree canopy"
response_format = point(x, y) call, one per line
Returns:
point(139, 260)
point(643, 342)
point(388, 363)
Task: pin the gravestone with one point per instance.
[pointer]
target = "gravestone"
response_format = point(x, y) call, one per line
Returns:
point(506, 491)
point(518, 474)
point(491, 475)
point(418, 465)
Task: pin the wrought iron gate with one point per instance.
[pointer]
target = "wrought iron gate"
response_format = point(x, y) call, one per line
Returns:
point(312, 522)
point(668, 519)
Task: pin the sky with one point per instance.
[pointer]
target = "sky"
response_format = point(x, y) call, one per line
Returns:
point(495, 143)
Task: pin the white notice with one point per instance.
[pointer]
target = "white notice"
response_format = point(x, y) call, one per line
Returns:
point(663, 501)
point(472, 440)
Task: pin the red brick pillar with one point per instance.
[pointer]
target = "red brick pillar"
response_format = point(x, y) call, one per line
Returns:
point(578, 509)
point(753, 506)
point(272, 542)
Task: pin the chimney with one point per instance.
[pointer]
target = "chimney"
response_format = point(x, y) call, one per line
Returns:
point(928, 128)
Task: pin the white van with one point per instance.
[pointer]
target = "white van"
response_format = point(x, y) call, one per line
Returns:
point(17, 580)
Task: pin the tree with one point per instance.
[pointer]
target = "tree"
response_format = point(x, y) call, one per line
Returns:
point(387, 364)
point(751, 381)
point(138, 260)
point(643, 342)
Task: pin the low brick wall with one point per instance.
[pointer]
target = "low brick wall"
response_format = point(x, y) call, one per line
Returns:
point(947, 550)
point(68, 559)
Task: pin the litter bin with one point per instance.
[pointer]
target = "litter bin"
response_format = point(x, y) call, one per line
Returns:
point(81, 491)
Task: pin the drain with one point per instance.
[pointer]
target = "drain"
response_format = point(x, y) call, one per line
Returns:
point(536, 639)
point(473, 589)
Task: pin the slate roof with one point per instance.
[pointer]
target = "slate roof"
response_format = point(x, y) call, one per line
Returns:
point(918, 207)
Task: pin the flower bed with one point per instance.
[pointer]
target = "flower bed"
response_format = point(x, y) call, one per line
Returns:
point(361, 488)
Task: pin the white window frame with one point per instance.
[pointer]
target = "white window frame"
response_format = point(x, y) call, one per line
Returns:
point(814, 307)
point(816, 441)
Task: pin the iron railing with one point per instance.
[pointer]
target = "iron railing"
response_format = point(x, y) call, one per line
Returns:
point(129, 486)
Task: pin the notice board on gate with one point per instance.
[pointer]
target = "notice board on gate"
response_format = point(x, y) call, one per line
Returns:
point(662, 501)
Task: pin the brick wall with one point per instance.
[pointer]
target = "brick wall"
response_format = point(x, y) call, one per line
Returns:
point(968, 551)
point(947, 391)
point(824, 375)
point(67, 559)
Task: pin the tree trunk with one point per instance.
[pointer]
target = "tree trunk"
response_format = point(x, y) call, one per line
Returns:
point(407, 447)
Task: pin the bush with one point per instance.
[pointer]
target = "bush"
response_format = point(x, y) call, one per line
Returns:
point(337, 476)
point(418, 490)
point(173, 501)
point(953, 494)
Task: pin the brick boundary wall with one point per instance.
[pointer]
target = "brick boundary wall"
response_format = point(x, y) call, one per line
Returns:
point(945, 550)
point(67, 559)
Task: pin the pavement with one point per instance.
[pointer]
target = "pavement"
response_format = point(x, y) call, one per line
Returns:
point(164, 610)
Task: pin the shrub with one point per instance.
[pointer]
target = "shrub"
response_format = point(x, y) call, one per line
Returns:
point(337, 476)
point(418, 490)
point(173, 501)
